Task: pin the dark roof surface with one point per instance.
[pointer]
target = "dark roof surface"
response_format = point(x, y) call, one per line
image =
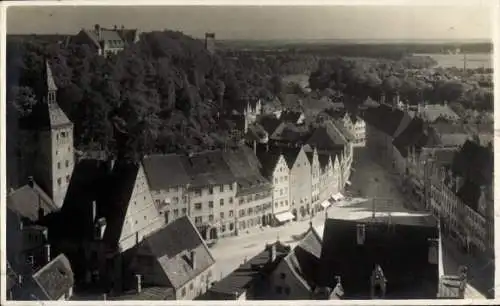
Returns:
point(290, 155)
point(327, 136)
point(243, 277)
point(304, 259)
point(384, 117)
point(172, 245)
point(384, 245)
point(208, 168)
point(26, 201)
point(268, 159)
point(475, 163)
point(165, 171)
point(122, 180)
point(413, 136)
point(153, 293)
point(55, 278)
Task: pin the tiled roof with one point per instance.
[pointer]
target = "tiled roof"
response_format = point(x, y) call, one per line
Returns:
point(208, 168)
point(26, 201)
point(245, 166)
point(289, 116)
point(242, 278)
point(268, 159)
point(108, 36)
point(304, 259)
point(290, 155)
point(128, 35)
point(171, 246)
point(55, 278)
point(327, 136)
point(384, 118)
point(269, 123)
point(290, 132)
point(451, 134)
point(154, 293)
point(384, 245)
point(164, 171)
point(415, 135)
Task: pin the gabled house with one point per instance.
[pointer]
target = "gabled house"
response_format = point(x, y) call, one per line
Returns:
point(106, 41)
point(315, 178)
point(300, 181)
point(275, 168)
point(53, 282)
point(252, 280)
point(175, 258)
point(295, 277)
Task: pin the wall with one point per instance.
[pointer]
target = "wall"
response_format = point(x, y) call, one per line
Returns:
point(63, 162)
point(291, 288)
point(281, 187)
point(177, 205)
point(253, 208)
point(209, 198)
point(196, 286)
point(315, 182)
point(300, 186)
point(142, 216)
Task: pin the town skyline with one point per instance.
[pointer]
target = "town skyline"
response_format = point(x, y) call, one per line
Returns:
point(414, 23)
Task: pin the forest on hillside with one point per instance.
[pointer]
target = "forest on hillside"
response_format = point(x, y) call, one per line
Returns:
point(161, 95)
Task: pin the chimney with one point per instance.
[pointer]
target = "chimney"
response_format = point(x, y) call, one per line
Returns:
point(272, 252)
point(94, 211)
point(138, 283)
point(47, 253)
point(192, 258)
point(361, 233)
point(31, 181)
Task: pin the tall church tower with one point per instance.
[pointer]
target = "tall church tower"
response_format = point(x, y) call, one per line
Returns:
point(46, 144)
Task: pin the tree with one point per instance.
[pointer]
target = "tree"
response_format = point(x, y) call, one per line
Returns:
point(23, 98)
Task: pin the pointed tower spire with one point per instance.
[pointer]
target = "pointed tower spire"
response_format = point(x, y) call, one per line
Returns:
point(50, 85)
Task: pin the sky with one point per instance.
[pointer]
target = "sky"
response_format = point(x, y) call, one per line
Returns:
point(267, 23)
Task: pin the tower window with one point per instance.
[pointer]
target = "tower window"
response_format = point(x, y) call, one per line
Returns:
point(52, 97)
point(67, 163)
point(67, 178)
point(58, 165)
point(59, 181)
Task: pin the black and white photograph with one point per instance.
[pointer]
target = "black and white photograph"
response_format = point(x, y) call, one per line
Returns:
point(232, 153)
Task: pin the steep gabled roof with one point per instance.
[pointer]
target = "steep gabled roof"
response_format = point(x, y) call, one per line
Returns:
point(384, 118)
point(327, 137)
point(55, 278)
point(400, 248)
point(304, 259)
point(208, 168)
point(172, 246)
point(290, 155)
point(121, 181)
point(414, 135)
point(26, 200)
point(269, 159)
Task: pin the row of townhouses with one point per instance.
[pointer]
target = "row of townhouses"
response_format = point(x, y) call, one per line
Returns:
point(445, 164)
point(117, 207)
point(367, 266)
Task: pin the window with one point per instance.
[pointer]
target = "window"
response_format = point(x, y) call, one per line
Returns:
point(231, 200)
point(145, 217)
point(221, 202)
point(176, 213)
point(191, 286)
point(197, 206)
point(210, 204)
point(210, 190)
point(242, 213)
point(222, 215)
point(183, 293)
point(279, 289)
point(242, 200)
point(223, 229)
point(231, 226)
point(282, 275)
point(59, 181)
point(67, 163)
point(184, 211)
point(58, 165)
point(230, 187)
point(67, 178)
point(230, 213)
point(211, 218)
point(175, 200)
point(198, 220)
point(221, 188)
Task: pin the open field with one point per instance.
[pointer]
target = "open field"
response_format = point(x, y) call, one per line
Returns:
point(474, 60)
